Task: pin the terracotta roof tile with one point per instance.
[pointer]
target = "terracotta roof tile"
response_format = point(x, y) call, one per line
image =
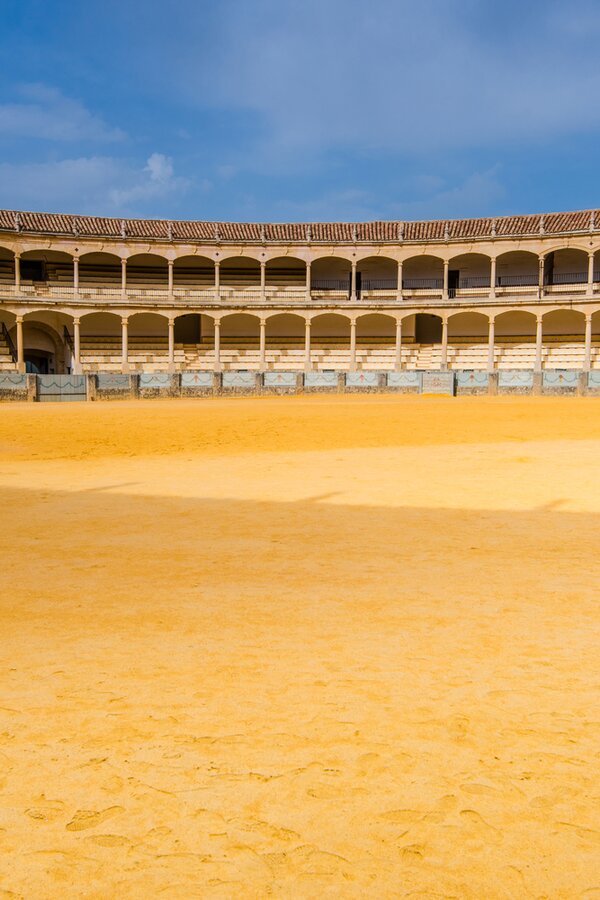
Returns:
point(343, 232)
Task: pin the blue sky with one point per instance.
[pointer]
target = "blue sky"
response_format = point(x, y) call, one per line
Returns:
point(285, 110)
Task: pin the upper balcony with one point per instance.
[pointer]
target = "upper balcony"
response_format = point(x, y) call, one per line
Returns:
point(194, 280)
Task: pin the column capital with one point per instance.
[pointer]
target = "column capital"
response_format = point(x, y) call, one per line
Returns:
point(76, 320)
point(19, 320)
point(171, 320)
point(539, 318)
point(170, 263)
point(588, 317)
point(124, 320)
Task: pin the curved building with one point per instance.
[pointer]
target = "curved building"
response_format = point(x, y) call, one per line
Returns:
point(86, 294)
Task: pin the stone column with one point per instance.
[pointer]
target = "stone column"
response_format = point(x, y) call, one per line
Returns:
point(353, 283)
point(308, 282)
point(541, 267)
point(217, 363)
point(493, 278)
point(491, 342)
point(171, 345)
point(124, 347)
point(76, 347)
point(217, 281)
point(538, 344)
point(444, 357)
point(263, 280)
point(445, 287)
point(587, 364)
point(352, 345)
point(307, 360)
point(398, 361)
point(20, 345)
point(76, 278)
point(263, 344)
point(124, 279)
point(399, 285)
point(590, 278)
point(170, 277)
point(18, 272)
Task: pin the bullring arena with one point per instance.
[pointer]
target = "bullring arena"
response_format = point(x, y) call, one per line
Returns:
point(329, 645)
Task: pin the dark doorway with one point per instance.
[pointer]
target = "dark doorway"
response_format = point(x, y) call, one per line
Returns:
point(38, 362)
point(453, 278)
point(188, 329)
point(33, 270)
point(428, 329)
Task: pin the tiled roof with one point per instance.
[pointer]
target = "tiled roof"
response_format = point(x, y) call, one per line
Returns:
point(329, 232)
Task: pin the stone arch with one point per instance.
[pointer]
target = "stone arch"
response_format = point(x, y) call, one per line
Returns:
point(7, 266)
point(377, 273)
point(240, 330)
point(147, 270)
point(193, 271)
point(99, 269)
point(331, 273)
point(100, 324)
point(468, 325)
point(423, 273)
point(469, 272)
point(375, 328)
point(569, 323)
point(330, 328)
point(517, 268)
point(285, 328)
point(44, 265)
point(515, 324)
point(240, 271)
point(566, 266)
point(46, 349)
point(285, 271)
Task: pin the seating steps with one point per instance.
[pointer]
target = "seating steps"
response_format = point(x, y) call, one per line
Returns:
point(103, 353)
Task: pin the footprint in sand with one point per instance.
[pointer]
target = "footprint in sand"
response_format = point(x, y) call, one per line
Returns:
point(480, 828)
point(85, 818)
point(109, 840)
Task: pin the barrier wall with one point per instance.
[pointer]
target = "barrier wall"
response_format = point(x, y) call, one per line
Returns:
point(110, 386)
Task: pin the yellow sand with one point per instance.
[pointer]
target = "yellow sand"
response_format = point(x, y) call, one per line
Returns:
point(300, 647)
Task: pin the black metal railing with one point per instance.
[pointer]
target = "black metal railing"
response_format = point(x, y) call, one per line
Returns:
point(9, 342)
point(420, 284)
point(517, 280)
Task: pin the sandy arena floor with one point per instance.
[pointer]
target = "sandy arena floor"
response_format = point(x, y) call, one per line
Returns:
point(300, 647)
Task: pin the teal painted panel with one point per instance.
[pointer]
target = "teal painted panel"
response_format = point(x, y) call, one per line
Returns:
point(155, 380)
point(279, 379)
point(197, 379)
point(404, 379)
point(362, 379)
point(594, 379)
point(61, 384)
point(113, 381)
point(515, 378)
point(10, 382)
point(560, 378)
point(237, 378)
point(437, 383)
point(471, 378)
point(321, 379)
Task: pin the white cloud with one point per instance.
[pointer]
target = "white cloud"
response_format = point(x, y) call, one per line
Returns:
point(97, 185)
point(44, 113)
